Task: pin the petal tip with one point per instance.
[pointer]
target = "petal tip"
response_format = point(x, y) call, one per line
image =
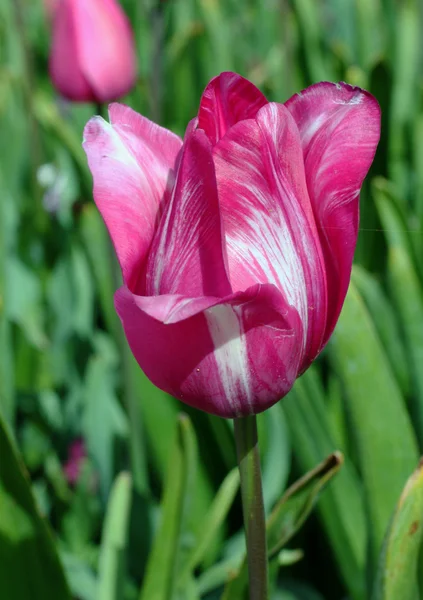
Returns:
point(93, 129)
point(346, 93)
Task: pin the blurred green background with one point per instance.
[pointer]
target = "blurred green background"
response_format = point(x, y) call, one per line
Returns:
point(67, 377)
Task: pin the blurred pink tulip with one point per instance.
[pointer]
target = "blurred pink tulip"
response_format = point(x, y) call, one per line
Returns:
point(76, 455)
point(92, 57)
point(235, 244)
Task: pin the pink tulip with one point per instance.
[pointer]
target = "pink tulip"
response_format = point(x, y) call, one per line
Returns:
point(93, 55)
point(235, 244)
point(76, 456)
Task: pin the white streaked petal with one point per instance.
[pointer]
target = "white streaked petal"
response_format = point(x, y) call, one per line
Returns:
point(269, 225)
point(230, 354)
point(131, 160)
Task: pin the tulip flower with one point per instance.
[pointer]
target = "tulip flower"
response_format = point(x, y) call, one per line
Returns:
point(76, 455)
point(236, 243)
point(92, 57)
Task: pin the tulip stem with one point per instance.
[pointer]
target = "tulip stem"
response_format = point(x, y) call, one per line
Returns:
point(252, 505)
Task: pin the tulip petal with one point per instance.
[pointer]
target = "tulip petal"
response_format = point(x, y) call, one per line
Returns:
point(270, 231)
point(227, 99)
point(131, 160)
point(65, 70)
point(102, 24)
point(339, 127)
point(230, 357)
point(187, 256)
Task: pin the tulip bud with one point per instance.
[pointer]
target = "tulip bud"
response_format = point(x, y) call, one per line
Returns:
point(92, 55)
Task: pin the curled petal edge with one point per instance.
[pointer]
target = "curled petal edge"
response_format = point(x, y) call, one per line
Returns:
point(229, 356)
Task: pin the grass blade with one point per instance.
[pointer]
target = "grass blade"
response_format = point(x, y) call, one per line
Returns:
point(113, 547)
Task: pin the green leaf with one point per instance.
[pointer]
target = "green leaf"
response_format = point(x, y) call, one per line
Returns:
point(99, 251)
point(174, 540)
point(81, 521)
point(386, 322)
point(378, 413)
point(406, 290)
point(8, 221)
point(29, 565)
point(160, 413)
point(341, 507)
point(23, 301)
point(298, 501)
point(48, 115)
point(405, 91)
point(308, 16)
point(275, 448)
point(290, 557)
point(299, 590)
point(51, 409)
point(82, 580)
point(287, 517)
point(101, 406)
point(217, 27)
point(82, 284)
point(111, 570)
point(217, 575)
point(398, 566)
point(211, 524)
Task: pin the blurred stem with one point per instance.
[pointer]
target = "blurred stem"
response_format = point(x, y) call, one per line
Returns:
point(252, 505)
point(100, 109)
point(7, 398)
point(157, 26)
point(28, 88)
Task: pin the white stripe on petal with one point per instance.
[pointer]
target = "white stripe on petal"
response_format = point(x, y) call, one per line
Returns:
point(230, 353)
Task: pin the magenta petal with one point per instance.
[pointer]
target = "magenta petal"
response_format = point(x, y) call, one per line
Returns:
point(339, 127)
point(227, 99)
point(187, 256)
point(230, 357)
point(270, 231)
point(131, 160)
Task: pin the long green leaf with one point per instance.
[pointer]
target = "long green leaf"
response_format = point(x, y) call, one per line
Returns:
point(287, 517)
point(213, 520)
point(275, 452)
point(29, 565)
point(114, 540)
point(7, 216)
point(386, 322)
point(378, 413)
point(298, 501)
point(174, 538)
point(341, 506)
point(404, 104)
point(406, 290)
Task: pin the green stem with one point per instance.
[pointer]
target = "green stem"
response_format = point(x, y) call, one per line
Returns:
point(252, 505)
point(28, 87)
point(101, 110)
